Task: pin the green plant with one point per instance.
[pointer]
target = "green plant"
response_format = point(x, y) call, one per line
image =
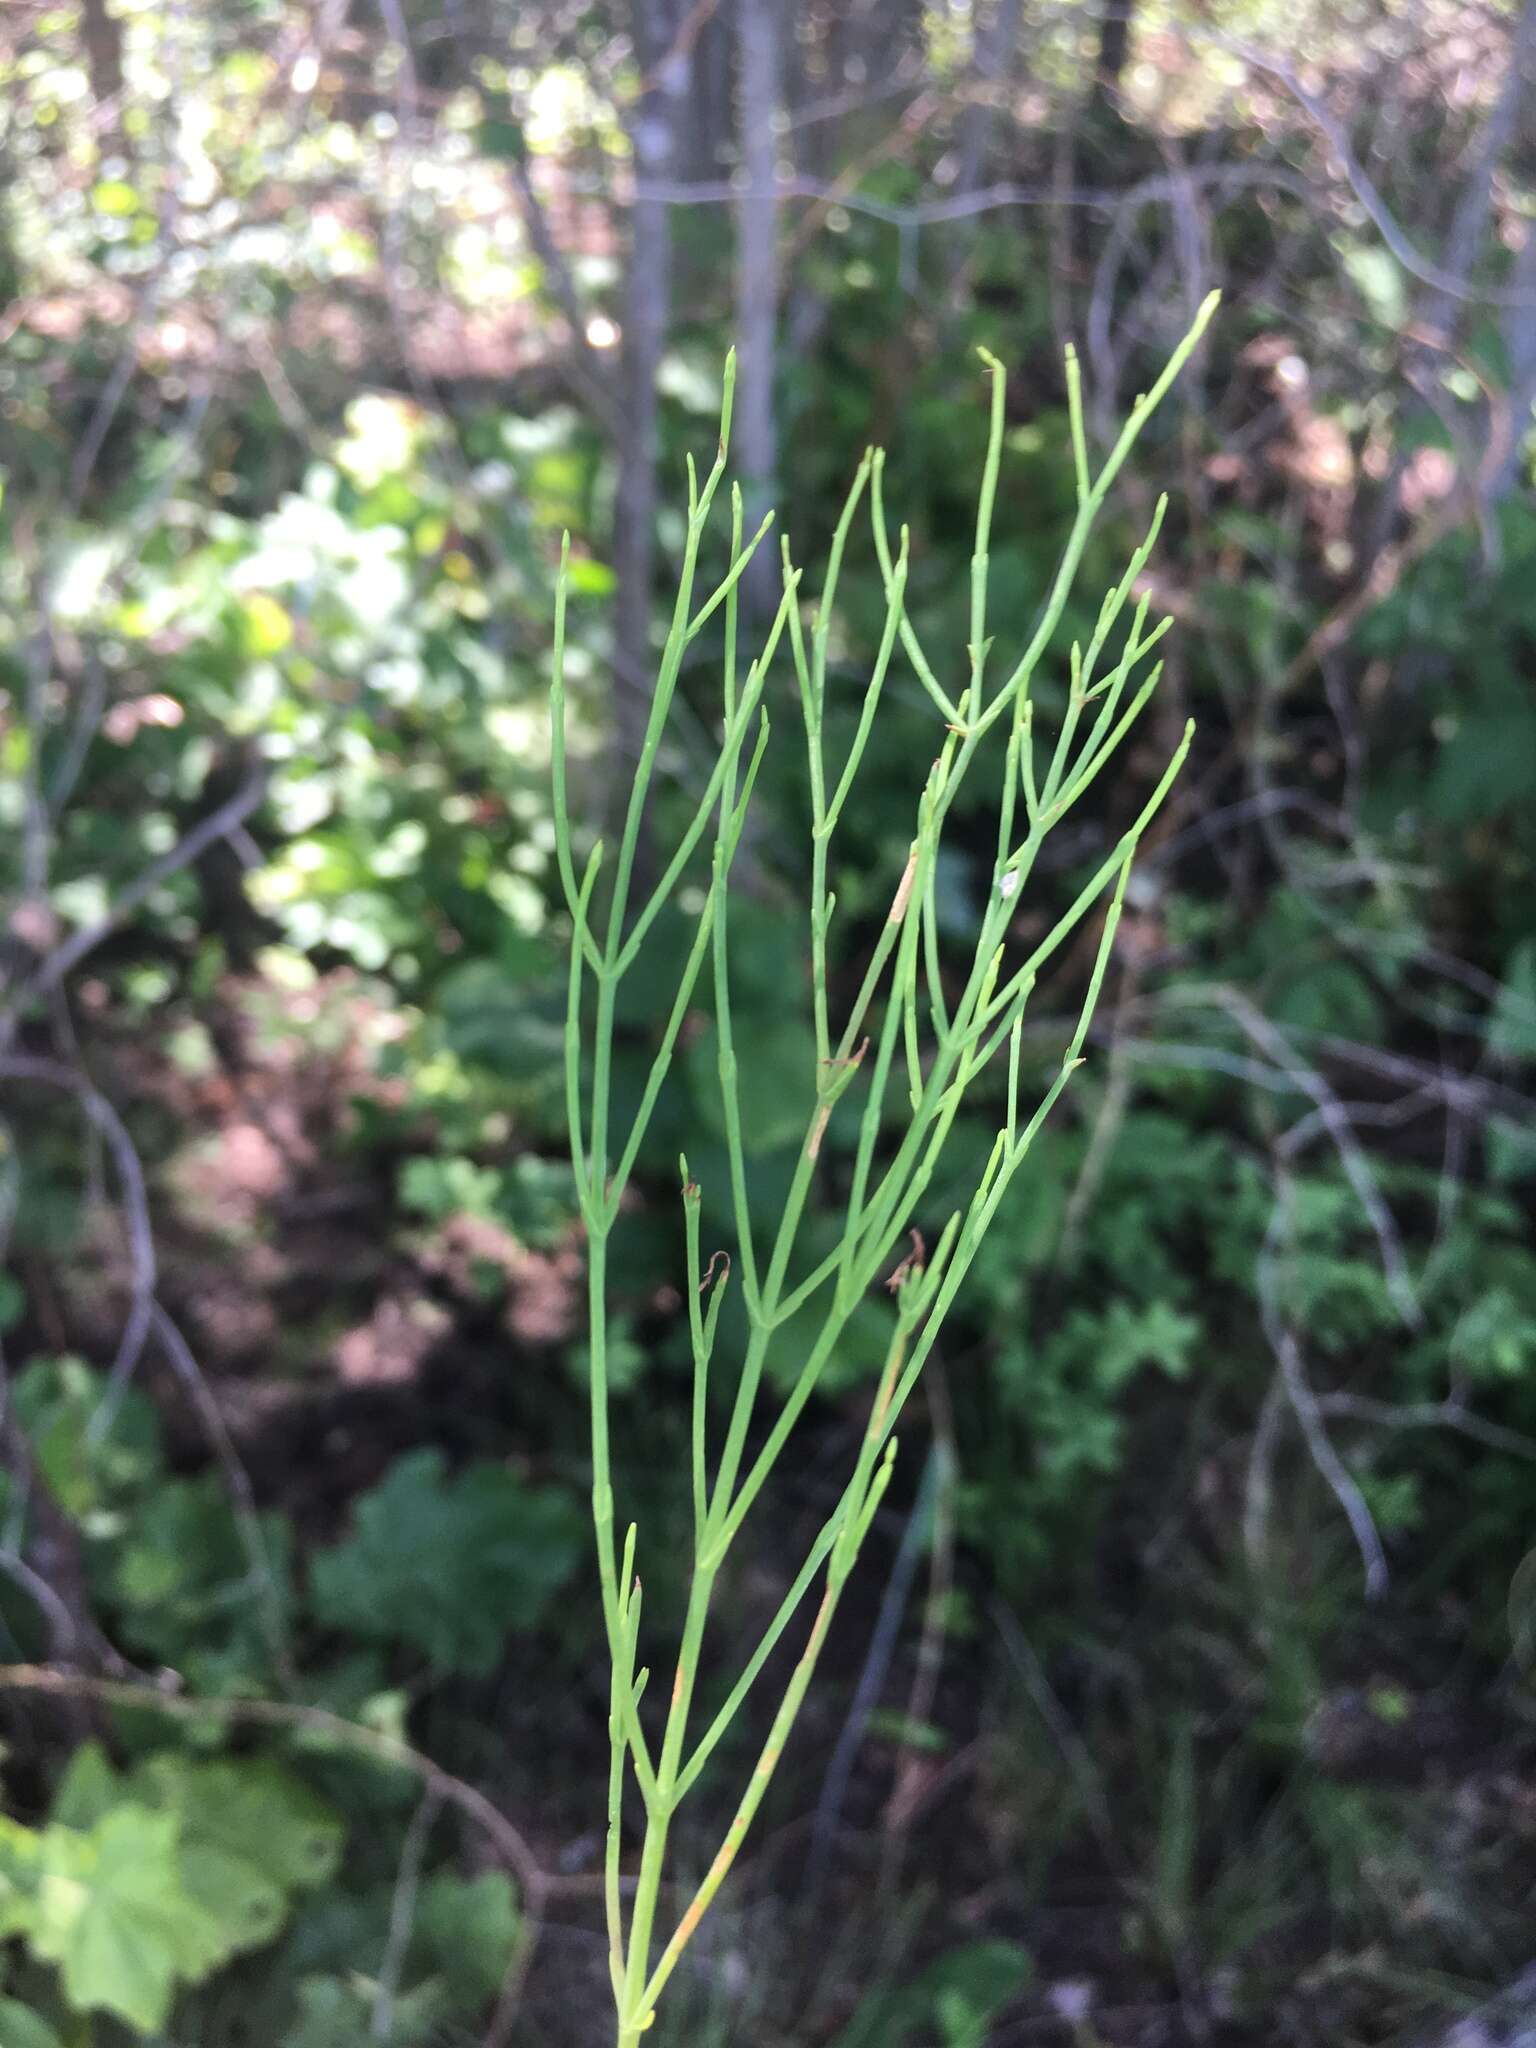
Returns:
point(954, 2001)
point(448, 1565)
point(908, 1038)
point(141, 1883)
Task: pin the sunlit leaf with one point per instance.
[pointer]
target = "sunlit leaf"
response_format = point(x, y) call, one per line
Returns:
point(266, 625)
point(114, 1912)
point(116, 197)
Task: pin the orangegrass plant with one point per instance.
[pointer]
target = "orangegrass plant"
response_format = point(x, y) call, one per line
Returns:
point(915, 1043)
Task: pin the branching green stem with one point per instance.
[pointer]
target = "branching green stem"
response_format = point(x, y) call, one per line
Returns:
point(942, 1023)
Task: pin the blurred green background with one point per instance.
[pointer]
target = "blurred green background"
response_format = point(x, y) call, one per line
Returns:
point(1186, 1692)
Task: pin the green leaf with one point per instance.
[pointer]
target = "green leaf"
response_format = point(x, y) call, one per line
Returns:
point(265, 626)
point(13, 1300)
point(1155, 1335)
point(88, 1469)
point(496, 1020)
point(962, 1991)
point(88, 1790)
point(22, 2029)
point(336, 2012)
point(115, 197)
point(1378, 277)
point(971, 1985)
point(1511, 1152)
point(501, 137)
point(1490, 768)
point(452, 1566)
point(590, 579)
point(776, 1080)
point(1172, 1879)
point(331, 2015)
point(112, 1910)
point(1512, 1027)
point(246, 1833)
point(441, 1187)
point(250, 1833)
point(1495, 1337)
point(537, 1200)
point(894, 1724)
point(180, 1581)
point(466, 1928)
point(21, 1873)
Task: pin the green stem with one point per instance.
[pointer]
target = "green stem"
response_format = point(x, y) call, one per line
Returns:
point(902, 1007)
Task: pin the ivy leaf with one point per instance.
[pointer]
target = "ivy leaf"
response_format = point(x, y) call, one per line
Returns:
point(113, 1912)
point(451, 1566)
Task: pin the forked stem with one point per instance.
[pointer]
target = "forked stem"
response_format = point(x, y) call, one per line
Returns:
point(906, 1031)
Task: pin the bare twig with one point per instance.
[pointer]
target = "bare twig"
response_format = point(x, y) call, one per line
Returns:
point(872, 1677)
point(402, 1913)
point(587, 370)
point(1286, 1346)
point(1272, 1041)
point(1446, 1414)
point(1332, 130)
point(65, 958)
point(146, 1314)
point(907, 1791)
point(263, 1578)
point(105, 1120)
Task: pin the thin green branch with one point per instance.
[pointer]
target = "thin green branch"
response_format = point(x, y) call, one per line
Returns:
point(946, 1022)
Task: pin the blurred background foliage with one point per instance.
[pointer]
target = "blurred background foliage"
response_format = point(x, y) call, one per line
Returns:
point(1188, 1695)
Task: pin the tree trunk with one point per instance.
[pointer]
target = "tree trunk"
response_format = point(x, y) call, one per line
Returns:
point(758, 25)
point(704, 141)
point(1110, 59)
point(996, 36)
point(102, 37)
point(654, 124)
point(1441, 312)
